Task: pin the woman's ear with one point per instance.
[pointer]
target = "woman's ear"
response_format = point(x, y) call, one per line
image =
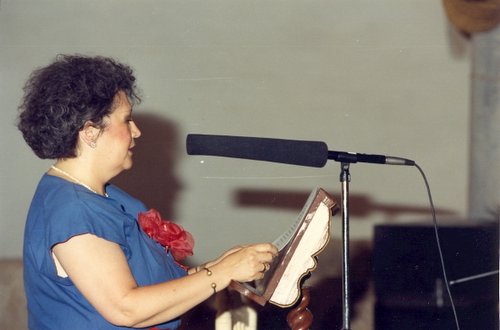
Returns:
point(89, 134)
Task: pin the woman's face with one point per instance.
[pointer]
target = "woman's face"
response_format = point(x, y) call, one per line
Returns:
point(117, 137)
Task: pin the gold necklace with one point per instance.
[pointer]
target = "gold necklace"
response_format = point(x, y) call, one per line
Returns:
point(57, 169)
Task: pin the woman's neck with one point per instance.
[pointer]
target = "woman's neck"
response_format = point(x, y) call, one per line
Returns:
point(76, 172)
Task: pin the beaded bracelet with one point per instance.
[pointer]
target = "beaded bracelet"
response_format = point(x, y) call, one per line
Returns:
point(213, 285)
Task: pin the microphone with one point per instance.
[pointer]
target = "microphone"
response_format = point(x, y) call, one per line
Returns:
point(294, 152)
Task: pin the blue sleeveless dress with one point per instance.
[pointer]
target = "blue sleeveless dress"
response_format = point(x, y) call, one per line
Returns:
point(61, 210)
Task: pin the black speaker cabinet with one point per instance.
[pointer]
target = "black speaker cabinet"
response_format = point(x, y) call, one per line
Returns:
point(409, 283)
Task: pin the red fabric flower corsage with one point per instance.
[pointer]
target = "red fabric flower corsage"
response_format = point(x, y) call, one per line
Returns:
point(172, 236)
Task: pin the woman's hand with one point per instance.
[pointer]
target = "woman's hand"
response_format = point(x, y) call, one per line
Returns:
point(228, 252)
point(246, 263)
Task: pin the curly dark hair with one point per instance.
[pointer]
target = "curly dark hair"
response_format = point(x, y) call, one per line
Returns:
point(61, 97)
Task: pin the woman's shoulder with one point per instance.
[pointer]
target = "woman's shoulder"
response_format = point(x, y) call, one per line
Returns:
point(64, 196)
point(61, 210)
point(58, 191)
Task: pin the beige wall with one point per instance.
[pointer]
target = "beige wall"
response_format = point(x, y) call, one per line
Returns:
point(387, 77)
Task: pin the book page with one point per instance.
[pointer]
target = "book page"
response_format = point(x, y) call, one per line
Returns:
point(287, 236)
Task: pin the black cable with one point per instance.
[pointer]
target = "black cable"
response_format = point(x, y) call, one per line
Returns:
point(439, 244)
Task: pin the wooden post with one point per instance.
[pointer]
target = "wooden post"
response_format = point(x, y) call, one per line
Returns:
point(300, 318)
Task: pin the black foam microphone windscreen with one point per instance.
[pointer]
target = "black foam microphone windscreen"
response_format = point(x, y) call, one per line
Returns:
point(295, 152)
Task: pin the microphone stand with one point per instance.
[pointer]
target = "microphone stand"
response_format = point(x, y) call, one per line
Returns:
point(346, 306)
point(345, 158)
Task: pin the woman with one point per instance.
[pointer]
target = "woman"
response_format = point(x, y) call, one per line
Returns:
point(87, 263)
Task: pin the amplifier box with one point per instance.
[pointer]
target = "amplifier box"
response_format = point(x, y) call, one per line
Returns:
point(409, 283)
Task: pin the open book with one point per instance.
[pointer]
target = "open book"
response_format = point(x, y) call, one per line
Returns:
point(298, 248)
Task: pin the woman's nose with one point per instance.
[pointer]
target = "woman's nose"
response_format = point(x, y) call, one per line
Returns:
point(136, 132)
